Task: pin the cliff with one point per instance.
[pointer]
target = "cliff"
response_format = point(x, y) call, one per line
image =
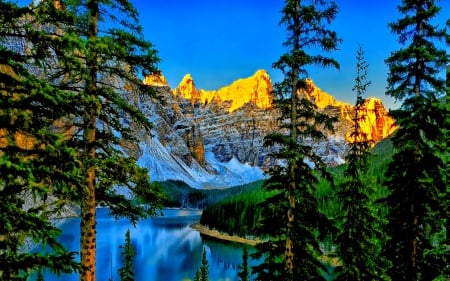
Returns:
point(256, 89)
point(377, 124)
point(214, 138)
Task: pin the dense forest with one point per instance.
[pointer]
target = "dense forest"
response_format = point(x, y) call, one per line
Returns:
point(66, 69)
point(180, 195)
point(240, 213)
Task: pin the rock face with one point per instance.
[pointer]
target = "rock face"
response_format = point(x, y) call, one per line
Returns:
point(157, 80)
point(256, 89)
point(377, 124)
point(200, 129)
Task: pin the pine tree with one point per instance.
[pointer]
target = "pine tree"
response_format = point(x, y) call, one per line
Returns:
point(114, 55)
point(244, 274)
point(204, 267)
point(202, 272)
point(127, 272)
point(39, 171)
point(360, 228)
point(291, 218)
point(417, 177)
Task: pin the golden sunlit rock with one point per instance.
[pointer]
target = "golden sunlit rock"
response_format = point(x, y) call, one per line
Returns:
point(320, 98)
point(256, 89)
point(157, 80)
point(376, 124)
point(22, 140)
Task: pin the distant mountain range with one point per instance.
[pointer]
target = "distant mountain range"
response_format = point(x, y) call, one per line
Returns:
point(214, 139)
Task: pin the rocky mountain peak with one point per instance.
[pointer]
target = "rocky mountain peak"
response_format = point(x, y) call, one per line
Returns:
point(320, 98)
point(207, 138)
point(157, 80)
point(376, 124)
point(256, 89)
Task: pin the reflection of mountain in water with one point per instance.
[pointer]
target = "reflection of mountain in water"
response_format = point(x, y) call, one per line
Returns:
point(166, 248)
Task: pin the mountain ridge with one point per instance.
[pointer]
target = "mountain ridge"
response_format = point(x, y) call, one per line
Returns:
point(215, 138)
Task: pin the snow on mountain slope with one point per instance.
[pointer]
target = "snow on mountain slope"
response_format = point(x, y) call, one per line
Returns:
point(163, 166)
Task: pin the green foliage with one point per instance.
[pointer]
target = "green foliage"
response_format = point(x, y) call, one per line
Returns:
point(237, 214)
point(417, 178)
point(204, 267)
point(67, 91)
point(291, 217)
point(202, 272)
point(179, 194)
point(127, 272)
point(244, 273)
point(357, 246)
point(197, 275)
point(114, 56)
point(39, 170)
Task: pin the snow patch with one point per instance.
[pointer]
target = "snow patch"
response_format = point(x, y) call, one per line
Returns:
point(164, 166)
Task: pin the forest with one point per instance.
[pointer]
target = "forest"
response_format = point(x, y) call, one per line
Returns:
point(67, 125)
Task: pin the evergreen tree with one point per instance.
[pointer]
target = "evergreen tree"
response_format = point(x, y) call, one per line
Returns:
point(291, 217)
point(114, 56)
point(127, 272)
point(39, 171)
point(197, 275)
point(360, 228)
point(417, 177)
point(244, 274)
point(204, 267)
point(202, 272)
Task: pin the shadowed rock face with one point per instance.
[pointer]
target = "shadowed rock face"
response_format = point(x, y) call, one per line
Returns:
point(232, 121)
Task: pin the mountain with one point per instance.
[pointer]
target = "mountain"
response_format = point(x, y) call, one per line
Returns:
point(215, 138)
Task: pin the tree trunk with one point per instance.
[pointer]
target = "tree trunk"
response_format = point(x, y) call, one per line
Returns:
point(289, 252)
point(88, 203)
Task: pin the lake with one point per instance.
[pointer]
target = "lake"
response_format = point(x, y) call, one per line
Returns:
point(166, 248)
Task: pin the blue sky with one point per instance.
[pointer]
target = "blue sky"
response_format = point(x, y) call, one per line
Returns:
point(218, 41)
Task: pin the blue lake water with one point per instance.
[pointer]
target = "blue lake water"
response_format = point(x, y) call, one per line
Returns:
point(166, 248)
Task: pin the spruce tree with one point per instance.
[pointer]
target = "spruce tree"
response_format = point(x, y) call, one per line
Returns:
point(202, 272)
point(291, 218)
point(417, 178)
point(204, 275)
point(39, 170)
point(244, 274)
point(114, 56)
point(127, 271)
point(357, 245)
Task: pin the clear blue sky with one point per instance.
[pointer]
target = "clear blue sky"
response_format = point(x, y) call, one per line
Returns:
point(218, 41)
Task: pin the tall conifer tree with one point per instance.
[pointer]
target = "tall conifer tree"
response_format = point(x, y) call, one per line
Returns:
point(291, 218)
point(39, 170)
point(360, 228)
point(204, 271)
point(116, 57)
point(127, 271)
point(417, 177)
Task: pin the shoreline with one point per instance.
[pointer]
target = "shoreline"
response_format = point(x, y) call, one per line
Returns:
point(222, 236)
point(252, 242)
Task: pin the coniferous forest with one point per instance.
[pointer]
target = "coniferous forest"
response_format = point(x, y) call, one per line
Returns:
point(66, 69)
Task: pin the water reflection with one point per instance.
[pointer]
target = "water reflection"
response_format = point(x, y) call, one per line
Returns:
point(166, 248)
